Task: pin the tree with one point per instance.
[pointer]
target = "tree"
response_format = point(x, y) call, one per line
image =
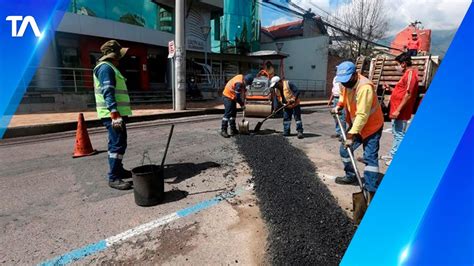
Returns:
point(363, 18)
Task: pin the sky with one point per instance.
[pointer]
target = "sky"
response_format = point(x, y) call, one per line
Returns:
point(435, 14)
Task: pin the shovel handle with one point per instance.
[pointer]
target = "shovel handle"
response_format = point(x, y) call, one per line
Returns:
point(167, 146)
point(351, 156)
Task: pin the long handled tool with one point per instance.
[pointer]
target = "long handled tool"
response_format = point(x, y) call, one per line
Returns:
point(167, 146)
point(360, 200)
point(244, 125)
point(259, 124)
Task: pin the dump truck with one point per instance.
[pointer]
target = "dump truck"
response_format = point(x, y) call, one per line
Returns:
point(260, 99)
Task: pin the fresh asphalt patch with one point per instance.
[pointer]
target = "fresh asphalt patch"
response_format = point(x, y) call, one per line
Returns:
point(306, 225)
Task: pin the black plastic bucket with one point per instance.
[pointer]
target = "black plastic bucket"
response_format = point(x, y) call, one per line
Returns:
point(148, 185)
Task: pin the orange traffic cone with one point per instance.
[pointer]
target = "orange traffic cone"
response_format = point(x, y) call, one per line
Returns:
point(83, 145)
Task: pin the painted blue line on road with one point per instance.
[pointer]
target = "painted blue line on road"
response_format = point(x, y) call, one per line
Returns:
point(76, 254)
point(91, 249)
point(206, 204)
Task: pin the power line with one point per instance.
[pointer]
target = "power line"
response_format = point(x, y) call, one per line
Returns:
point(350, 34)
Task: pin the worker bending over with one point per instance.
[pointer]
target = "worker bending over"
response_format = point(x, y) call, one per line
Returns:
point(234, 92)
point(365, 122)
point(287, 93)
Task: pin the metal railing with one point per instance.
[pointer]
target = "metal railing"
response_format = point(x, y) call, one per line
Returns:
point(310, 85)
point(80, 80)
point(62, 79)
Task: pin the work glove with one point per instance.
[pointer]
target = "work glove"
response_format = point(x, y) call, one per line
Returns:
point(117, 121)
point(349, 141)
point(336, 110)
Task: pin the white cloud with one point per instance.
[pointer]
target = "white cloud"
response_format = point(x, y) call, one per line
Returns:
point(434, 14)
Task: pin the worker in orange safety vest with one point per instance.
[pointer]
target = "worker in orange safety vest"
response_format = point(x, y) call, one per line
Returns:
point(287, 93)
point(365, 120)
point(234, 92)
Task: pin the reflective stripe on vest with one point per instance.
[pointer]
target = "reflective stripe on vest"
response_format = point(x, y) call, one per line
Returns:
point(375, 120)
point(229, 90)
point(288, 95)
point(121, 94)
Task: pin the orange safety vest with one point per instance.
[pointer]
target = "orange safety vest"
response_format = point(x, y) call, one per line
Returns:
point(229, 90)
point(376, 120)
point(288, 95)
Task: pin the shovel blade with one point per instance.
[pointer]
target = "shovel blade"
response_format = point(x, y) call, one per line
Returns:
point(244, 127)
point(258, 126)
point(359, 205)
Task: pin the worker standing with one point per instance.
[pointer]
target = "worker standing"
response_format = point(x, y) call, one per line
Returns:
point(287, 93)
point(113, 107)
point(413, 44)
point(234, 92)
point(333, 100)
point(402, 102)
point(365, 120)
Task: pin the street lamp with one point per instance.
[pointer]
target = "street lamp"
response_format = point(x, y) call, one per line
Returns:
point(205, 32)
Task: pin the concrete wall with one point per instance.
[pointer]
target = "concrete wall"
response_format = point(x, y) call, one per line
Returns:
point(308, 59)
point(55, 102)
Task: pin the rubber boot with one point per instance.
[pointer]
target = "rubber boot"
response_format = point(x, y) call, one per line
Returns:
point(300, 135)
point(234, 131)
point(224, 134)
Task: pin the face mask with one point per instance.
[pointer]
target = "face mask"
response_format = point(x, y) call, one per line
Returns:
point(350, 84)
point(399, 68)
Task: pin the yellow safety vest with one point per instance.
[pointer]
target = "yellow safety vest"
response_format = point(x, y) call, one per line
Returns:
point(121, 94)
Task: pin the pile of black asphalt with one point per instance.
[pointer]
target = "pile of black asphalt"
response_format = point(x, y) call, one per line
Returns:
point(306, 225)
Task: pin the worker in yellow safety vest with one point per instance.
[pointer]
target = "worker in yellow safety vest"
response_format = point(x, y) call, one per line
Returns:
point(287, 93)
point(113, 107)
point(234, 92)
point(365, 123)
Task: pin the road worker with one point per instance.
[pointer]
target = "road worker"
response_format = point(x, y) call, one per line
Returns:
point(113, 107)
point(413, 45)
point(402, 102)
point(234, 92)
point(287, 93)
point(365, 123)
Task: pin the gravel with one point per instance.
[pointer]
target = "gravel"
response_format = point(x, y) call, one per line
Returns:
point(306, 225)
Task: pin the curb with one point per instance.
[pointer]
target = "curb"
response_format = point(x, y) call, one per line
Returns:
point(25, 131)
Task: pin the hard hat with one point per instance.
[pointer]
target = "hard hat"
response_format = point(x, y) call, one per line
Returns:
point(274, 81)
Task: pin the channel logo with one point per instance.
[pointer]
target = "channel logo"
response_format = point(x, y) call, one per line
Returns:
point(25, 22)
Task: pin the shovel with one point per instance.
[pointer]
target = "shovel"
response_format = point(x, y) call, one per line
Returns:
point(259, 124)
point(360, 200)
point(244, 125)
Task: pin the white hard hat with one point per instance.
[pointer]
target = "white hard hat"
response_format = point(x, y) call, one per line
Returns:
point(274, 81)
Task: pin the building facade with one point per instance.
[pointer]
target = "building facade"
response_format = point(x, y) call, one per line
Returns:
point(146, 27)
point(306, 41)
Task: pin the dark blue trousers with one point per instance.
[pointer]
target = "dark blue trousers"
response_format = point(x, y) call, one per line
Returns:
point(116, 149)
point(230, 113)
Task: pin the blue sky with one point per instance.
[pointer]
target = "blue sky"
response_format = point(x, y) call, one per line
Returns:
point(435, 14)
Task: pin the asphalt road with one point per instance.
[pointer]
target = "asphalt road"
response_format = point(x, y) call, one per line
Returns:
point(52, 204)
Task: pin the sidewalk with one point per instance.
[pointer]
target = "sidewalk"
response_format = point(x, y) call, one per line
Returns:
point(44, 123)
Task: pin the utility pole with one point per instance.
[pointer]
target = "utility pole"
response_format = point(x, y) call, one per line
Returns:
point(180, 57)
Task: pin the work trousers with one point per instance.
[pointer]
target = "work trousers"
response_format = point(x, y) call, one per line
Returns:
point(371, 146)
point(342, 117)
point(287, 114)
point(116, 149)
point(230, 113)
point(412, 52)
point(399, 127)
